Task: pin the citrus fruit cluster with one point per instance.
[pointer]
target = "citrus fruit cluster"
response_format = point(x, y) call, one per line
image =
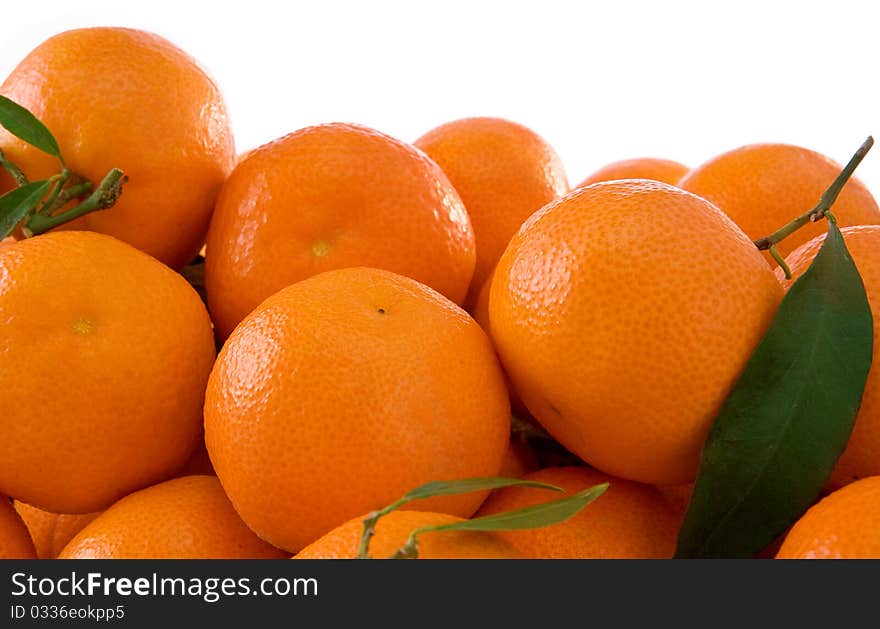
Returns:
point(372, 311)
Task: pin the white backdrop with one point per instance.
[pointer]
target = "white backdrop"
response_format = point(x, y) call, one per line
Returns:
point(601, 81)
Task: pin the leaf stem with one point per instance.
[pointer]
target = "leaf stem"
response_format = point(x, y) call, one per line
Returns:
point(822, 207)
point(410, 550)
point(75, 191)
point(20, 178)
point(370, 527)
point(774, 253)
point(51, 202)
point(103, 197)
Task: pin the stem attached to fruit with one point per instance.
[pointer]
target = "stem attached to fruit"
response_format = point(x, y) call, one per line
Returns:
point(51, 203)
point(774, 253)
point(20, 178)
point(819, 211)
point(370, 527)
point(103, 197)
point(410, 550)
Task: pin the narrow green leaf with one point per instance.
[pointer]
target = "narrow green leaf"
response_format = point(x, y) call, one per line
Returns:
point(789, 416)
point(15, 204)
point(441, 488)
point(533, 517)
point(467, 485)
point(24, 125)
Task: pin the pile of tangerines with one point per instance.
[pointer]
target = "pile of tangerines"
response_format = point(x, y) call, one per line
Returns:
point(379, 307)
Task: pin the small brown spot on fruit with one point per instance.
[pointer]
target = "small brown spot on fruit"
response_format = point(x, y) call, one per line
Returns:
point(321, 248)
point(83, 326)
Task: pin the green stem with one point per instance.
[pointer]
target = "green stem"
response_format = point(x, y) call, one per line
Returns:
point(774, 253)
point(75, 191)
point(410, 550)
point(825, 202)
point(51, 202)
point(370, 527)
point(20, 178)
point(103, 197)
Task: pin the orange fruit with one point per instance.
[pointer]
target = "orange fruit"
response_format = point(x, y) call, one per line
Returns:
point(393, 530)
point(184, 518)
point(503, 171)
point(623, 313)
point(654, 168)
point(106, 353)
point(15, 541)
point(344, 391)
point(52, 531)
point(330, 197)
point(762, 187)
point(117, 97)
point(862, 455)
point(628, 521)
point(843, 525)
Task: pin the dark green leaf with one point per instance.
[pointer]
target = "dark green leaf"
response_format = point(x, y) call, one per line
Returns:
point(24, 125)
point(467, 485)
point(535, 516)
point(15, 204)
point(789, 417)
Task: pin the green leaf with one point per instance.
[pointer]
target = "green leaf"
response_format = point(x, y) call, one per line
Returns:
point(442, 488)
point(789, 417)
point(15, 204)
point(532, 517)
point(467, 485)
point(24, 125)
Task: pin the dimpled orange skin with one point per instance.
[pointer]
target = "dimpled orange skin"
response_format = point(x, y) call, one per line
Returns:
point(15, 541)
point(504, 172)
point(843, 525)
point(329, 197)
point(117, 97)
point(184, 518)
point(628, 521)
point(762, 187)
point(344, 391)
point(654, 168)
point(862, 455)
point(392, 532)
point(623, 313)
point(106, 353)
point(52, 531)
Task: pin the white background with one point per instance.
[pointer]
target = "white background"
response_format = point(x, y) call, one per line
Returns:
point(601, 81)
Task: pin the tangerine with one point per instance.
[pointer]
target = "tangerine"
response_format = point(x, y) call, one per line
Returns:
point(119, 97)
point(504, 172)
point(762, 187)
point(329, 197)
point(106, 353)
point(623, 314)
point(342, 392)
